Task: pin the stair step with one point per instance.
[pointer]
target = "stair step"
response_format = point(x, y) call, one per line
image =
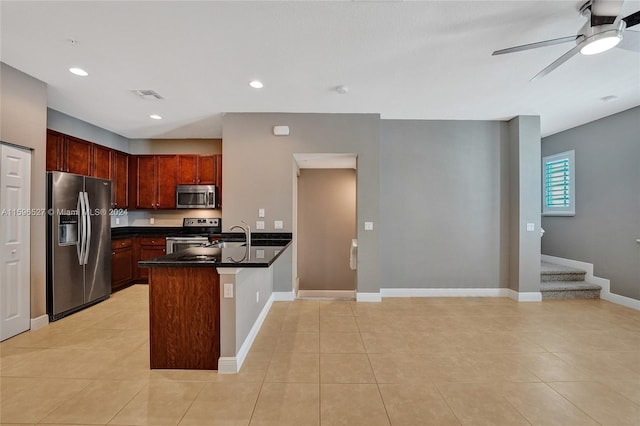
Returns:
point(569, 290)
point(551, 272)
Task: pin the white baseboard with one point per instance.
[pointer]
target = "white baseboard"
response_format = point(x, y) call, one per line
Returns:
point(327, 294)
point(443, 292)
point(283, 296)
point(530, 296)
point(368, 297)
point(229, 365)
point(605, 293)
point(39, 322)
point(621, 300)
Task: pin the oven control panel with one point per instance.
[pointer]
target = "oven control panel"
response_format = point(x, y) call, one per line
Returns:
point(201, 222)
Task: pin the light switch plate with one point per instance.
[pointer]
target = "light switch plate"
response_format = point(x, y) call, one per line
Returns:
point(228, 291)
point(260, 212)
point(260, 224)
point(278, 224)
point(531, 226)
point(368, 226)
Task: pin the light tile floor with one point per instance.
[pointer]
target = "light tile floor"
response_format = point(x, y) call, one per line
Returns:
point(411, 362)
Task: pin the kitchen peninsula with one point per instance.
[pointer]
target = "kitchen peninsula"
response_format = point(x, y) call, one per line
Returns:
point(206, 304)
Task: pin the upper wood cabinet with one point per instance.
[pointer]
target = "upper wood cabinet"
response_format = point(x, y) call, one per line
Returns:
point(101, 163)
point(153, 181)
point(199, 169)
point(187, 169)
point(119, 179)
point(68, 154)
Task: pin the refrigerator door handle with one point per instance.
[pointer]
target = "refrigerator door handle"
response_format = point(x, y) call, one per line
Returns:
point(87, 215)
point(80, 213)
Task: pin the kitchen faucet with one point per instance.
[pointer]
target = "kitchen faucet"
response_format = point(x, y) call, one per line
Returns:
point(247, 232)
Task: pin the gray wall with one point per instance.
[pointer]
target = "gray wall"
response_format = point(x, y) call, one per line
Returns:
point(326, 226)
point(524, 204)
point(23, 114)
point(607, 220)
point(68, 125)
point(442, 211)
point(258, 173)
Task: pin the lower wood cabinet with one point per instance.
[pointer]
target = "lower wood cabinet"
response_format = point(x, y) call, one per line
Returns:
point(147, 248)
point(125, 255)
point(121, 263)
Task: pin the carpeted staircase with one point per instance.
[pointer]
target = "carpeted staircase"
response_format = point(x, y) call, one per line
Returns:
point(563, 282)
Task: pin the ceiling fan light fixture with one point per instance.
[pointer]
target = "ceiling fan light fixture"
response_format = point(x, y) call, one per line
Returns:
point(601, 42)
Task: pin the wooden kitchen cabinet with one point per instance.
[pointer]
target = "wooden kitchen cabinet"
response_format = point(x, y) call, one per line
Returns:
point(187, 169)
point(199, 169)
point(121, 263)
point(66, 153)
point(119, 179)
point(101, 164)
point(147, 248)
point(207, 169)
point(153, 181)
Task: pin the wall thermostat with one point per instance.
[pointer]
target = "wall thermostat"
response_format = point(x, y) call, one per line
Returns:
point(281, 130)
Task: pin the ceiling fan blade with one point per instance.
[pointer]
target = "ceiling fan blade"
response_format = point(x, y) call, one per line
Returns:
point(630, 41)
point(555, 64)
point(535, 45)
point(633, 19)
point(605, 11)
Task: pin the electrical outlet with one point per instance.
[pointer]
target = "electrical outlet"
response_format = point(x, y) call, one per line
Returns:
point(117, 221)
point(259, 254)
point(278, 224)
point(152, 221)
point(228, 290)
point(531, 227)
point(260, 212)
point(368, 226)
point(259, 224)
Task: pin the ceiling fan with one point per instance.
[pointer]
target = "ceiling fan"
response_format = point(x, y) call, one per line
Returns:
point(602, 31)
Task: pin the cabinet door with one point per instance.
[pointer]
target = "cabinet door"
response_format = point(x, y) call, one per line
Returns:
point(166, 166)
point(119, 179)
point(187, 169)
point(207, 169)
point(101, 162)
point(145, 182)
point(121, 267)
point(78, 156)
point(149, 252)
point(55, 151)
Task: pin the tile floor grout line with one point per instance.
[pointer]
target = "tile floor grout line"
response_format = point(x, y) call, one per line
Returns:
point(435, 385)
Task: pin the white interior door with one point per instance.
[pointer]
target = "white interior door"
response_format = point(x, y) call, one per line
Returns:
point(15, 193)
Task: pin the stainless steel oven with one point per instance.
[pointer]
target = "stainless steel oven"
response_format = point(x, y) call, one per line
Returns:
point(175, 244)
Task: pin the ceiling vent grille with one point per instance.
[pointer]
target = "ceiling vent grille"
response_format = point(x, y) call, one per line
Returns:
point(148, 94)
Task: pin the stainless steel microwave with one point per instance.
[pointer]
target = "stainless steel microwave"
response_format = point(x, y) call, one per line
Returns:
point(196, 197)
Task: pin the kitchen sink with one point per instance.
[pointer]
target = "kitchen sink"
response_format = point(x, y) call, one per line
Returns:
point(228, 244)
point(198, 258)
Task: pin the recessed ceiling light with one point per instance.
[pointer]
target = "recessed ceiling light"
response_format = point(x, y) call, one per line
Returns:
point(79, 71)
point(155, 117)
point(256, 84)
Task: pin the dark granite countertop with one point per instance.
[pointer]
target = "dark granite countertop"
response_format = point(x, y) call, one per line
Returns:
point(174, 231)
point(261, 254)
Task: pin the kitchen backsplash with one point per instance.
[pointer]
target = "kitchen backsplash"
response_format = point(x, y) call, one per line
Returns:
point(160, 217)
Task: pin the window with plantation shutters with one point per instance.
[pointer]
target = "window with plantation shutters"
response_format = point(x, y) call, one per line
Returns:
point(558, 184)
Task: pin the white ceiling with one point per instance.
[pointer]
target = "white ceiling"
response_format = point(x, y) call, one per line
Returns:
point(404, 60)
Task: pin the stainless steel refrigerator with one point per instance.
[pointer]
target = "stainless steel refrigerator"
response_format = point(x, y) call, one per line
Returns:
point(78, 242)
